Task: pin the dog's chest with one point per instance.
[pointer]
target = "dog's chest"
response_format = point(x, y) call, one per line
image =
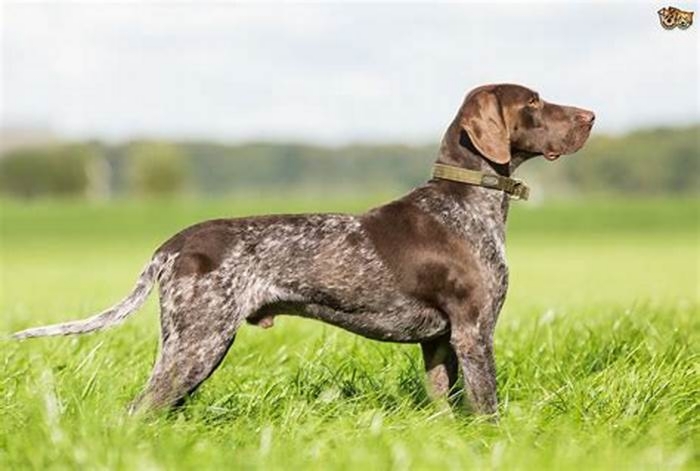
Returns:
point(480, 222)
point(487, 238)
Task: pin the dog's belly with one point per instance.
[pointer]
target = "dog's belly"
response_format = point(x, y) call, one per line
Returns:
point(414, 324)
point(408, 323)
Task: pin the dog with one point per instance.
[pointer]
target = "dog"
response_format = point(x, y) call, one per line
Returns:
point(428, 268)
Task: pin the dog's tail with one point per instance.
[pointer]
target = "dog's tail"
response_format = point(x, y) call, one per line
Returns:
point(112, 316)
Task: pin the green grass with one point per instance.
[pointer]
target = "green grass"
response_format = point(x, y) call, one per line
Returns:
point(597, 353)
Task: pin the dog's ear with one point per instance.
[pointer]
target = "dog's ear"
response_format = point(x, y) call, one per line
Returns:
point(482, 120)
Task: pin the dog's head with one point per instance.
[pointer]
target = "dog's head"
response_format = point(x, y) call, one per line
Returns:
point(684, 19)
point(504, 119)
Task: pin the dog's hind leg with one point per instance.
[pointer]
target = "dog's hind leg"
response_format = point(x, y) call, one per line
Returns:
point(198, 327)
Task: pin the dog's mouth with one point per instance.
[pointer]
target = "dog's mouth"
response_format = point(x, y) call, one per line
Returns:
point(576, 138)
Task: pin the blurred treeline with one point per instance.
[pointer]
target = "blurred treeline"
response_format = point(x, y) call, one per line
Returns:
point(645, 162)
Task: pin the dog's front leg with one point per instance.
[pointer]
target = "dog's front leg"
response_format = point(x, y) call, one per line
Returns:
point(474, 349)
point(441, 367)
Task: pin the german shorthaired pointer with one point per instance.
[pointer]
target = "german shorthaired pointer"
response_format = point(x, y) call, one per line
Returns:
point(428, 268)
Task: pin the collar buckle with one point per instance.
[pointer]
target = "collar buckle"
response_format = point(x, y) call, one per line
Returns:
point(520, 190)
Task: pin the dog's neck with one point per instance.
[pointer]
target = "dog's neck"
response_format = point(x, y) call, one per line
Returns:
point(458, 150)
point(466, 208)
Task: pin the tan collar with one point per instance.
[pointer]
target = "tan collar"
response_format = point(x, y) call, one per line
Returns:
point(514, 187)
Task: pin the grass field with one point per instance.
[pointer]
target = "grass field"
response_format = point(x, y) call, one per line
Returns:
point(597, 353)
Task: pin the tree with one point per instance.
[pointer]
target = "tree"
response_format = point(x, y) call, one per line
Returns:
point(47, 171)
point(156, 169)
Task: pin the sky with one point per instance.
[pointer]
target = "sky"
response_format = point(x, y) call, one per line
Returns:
point(333, 73)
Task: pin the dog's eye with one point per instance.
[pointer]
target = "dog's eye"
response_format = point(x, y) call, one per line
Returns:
point(533, 101)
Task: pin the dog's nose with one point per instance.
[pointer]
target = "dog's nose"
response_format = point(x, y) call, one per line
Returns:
point(586, 116)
